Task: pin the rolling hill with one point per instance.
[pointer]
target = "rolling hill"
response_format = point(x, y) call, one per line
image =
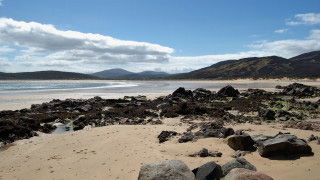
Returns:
point(123, 74)
point(303, 66)
point(44, 75)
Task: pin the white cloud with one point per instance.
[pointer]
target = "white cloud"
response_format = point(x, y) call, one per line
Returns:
point(1, 2)
point(75, 46)
point(281, 31)
point(315, 34)
point(305, 19)
point(6, 49)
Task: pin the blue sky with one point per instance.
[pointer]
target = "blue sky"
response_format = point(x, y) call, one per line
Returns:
point(167, 35)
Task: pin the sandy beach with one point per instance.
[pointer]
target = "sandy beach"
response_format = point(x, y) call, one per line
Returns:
point(118, 151)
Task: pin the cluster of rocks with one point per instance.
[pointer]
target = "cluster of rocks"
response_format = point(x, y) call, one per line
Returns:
point(299, 90)
point(238, 168)
point(282, 144)
point(206, 153)
point(138, 110)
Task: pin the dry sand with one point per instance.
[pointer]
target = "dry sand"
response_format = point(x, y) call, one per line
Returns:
point(117, 152)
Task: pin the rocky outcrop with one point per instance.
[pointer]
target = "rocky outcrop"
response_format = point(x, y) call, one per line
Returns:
point(237, 163)
point(283, 144)
point(210, 170)
point(166, 170)
point(246, 174)
point(206, 153)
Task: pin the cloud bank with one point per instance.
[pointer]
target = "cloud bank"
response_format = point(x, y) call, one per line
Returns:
point(34, 46)
point(76, 46)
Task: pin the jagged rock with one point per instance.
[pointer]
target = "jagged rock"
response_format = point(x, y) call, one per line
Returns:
point(186, 137)
point(241, 142)
point(165, 135)
point(256, 91)
point(205, 153)
point(283, 144)
point(166, 170)
point(297, 89)
point(228, 91)
point(246, 174)
point(210, 170)
point(237, 163)
point(283, 113)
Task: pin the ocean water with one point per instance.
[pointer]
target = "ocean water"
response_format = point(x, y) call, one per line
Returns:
point(59, 85)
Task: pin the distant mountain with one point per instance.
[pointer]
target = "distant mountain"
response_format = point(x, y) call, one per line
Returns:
point(112, 73)
point(303, 66)
point(123, 74)
point(44, 75)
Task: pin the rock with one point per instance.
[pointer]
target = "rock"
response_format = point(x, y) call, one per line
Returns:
point(214, 129)
point(241, 142)
point(312, 138)
point(208, 171)
point(165, 135)
point(283, 144)
point(237, 163)
point(186, 137)
point(283, 113)
point(228, 91)
point(260, 137)
point(166, 170)
point(302, 90)
point(267, 114)
point(239, 153)
point(245, 174)
point(204, 152)
point(256, 91)
point(182, 92)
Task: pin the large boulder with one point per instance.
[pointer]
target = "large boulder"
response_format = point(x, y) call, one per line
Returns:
point(241, 142)
point(228, 91)
point(246, 174)
point(186, 137)
point(166, 170)
point(208, 171)
point(283, 144)
point(237, 163)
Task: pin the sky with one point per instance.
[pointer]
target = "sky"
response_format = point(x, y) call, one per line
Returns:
point(173, 36)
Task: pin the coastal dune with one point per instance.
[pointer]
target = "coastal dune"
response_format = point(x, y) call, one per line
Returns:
point(118, 152)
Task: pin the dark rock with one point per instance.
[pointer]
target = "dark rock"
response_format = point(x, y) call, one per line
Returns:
point(283, 113)
point(283, 144)
point(214, 129)
point(166, 170)
point(186, 137)
point(208, 171)
point(246, 174)
point(256, 91)
point(312, 138)
point(241, 142)
point(301, 90)
point(260, 137)
point(267, 114)
point(237, 163)
point(182, 92)
point(228, 91)
point(165, 135)
point(204, 152)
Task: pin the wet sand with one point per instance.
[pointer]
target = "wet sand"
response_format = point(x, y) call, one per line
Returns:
point(13, 100)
